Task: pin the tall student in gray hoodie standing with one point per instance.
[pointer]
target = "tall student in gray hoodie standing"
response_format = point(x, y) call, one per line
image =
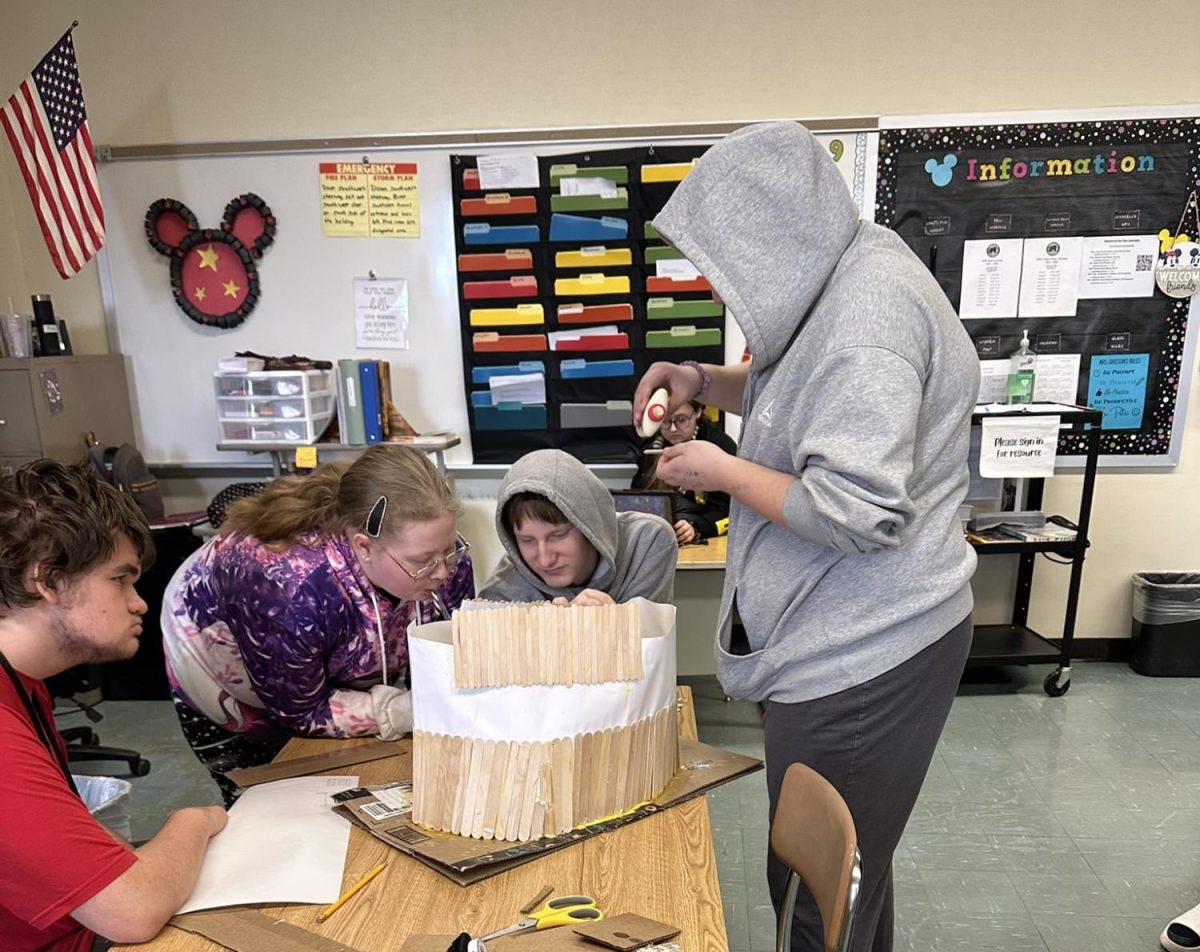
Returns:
point(847, 563)
point(566, 542)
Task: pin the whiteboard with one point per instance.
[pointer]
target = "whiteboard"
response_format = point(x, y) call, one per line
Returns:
point(307, 283)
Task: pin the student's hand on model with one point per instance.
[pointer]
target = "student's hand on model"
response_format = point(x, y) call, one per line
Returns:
point(393, 711)
point(695, 465)
point(684, 532)
point(591, 597)
point(682, 384)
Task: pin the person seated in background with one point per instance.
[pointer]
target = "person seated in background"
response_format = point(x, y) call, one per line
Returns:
point(294, 620)
point(71, 550)
point(696, 512)
point(566, 542)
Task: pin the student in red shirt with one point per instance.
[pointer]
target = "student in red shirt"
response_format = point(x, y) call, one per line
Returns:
point(71, 549)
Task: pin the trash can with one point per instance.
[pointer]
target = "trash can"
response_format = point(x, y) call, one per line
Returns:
point(107, 799)
point(1166, 624)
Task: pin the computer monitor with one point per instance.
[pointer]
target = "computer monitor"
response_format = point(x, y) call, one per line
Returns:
point(658, 502)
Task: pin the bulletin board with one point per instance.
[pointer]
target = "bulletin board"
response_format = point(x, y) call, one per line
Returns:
point(307, 277)
point(1054, 228)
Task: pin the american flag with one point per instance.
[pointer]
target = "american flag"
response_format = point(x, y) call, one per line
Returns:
point(46, 123)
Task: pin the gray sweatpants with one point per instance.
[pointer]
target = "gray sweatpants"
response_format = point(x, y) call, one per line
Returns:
point(874, 743)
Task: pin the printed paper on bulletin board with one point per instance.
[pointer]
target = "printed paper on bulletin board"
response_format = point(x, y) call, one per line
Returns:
point(961, 195)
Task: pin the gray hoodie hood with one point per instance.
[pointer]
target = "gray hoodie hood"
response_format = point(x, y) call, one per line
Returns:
point(766, 186)
point(637, 550)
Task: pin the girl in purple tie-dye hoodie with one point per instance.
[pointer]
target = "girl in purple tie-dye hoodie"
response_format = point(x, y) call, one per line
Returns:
point(294, 620)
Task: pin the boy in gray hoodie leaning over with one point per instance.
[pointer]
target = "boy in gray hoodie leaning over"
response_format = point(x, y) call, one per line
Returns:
point(566, 543)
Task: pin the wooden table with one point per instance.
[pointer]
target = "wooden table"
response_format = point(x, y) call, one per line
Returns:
point(662, 867)
point(710, 556)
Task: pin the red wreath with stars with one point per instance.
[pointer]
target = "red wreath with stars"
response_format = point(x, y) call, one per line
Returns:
point(213, 273)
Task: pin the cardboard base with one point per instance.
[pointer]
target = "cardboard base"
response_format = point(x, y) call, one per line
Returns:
point(551, 940)
point(245, 930)
point(465, 860)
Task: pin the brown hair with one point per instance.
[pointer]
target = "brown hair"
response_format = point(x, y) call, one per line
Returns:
point(522, 506)
point(648, 478)
point(338, 497)
point(61, 521)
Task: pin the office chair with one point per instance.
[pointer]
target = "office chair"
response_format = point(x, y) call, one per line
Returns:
point(82, 742)
point(813, 835)
point(219, 507)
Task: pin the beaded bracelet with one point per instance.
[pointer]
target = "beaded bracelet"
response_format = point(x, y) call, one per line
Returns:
point(705, 379)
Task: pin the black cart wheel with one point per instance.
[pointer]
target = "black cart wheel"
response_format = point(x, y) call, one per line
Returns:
point(139, 767)
point(90, 739)
point(1053, 686)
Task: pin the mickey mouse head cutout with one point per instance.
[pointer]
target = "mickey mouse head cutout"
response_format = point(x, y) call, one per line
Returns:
point(213, 275)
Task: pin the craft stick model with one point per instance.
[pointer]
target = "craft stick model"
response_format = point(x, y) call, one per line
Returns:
point(530, 720)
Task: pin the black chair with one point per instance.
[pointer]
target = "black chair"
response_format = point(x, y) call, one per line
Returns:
point(83, 743)
point(219, 507)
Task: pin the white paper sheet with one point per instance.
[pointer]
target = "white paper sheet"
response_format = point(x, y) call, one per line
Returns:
point(1050, 277)
point(576, 333)
point(518, 388)
point(677, 269)
point(1019, 447)
point(605, 188)
point(1056, 379)
point(508, 171)
point(993, 381)
point(1118, 266)
point(991, 278)
point(381, 313)
point(283, 843)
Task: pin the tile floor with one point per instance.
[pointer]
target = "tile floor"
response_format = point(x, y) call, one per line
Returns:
point(1045, 825)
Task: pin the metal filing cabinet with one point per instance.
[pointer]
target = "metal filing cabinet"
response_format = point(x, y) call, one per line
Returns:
point(47, 404)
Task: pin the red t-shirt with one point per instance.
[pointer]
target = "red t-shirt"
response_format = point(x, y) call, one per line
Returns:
point(53, 855)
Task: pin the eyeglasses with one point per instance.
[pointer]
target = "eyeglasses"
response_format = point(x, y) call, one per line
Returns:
point(450, 560)
point(678, 422)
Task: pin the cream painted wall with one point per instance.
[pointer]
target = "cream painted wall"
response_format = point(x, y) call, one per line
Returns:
point(181, 71)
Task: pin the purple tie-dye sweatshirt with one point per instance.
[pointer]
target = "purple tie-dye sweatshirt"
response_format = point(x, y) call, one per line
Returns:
point(276, 643)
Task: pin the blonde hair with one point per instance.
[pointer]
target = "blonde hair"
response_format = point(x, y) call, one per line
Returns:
point(338, 497)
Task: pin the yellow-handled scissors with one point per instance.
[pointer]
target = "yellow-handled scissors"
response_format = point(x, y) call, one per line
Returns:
point(559, 911)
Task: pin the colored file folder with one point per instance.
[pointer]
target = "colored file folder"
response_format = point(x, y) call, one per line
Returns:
point(664, 308)
point(590, 203)
point(591, 284)
point(650, 233)
point(675, 286)
point(667, 172)
point(511, 416)
point(594, 258)
point(614, 173)
point(489, 342)
point(482, 233)
point(507, 316)
point(594, 313)
point(579, 369)
point(514, 259)
point(522, 286)
point(577, 416)
point(484, 374)
point(656, 253)
point(582, 228)
point(595, 342)
point(498, 203)
point(683, 336)
point(471, 180)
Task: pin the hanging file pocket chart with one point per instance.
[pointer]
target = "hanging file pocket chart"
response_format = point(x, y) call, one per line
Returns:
point(523, 286)
point(507, 316)
point(482, 233)
point(578, 416)
point(682, 335)
point(596, 257)
point(583, 228)
point(498, 203)
point(591, 284)
point(514, 259)
point(594, 313)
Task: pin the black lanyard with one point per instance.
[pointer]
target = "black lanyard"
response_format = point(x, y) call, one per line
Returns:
point(44, 730)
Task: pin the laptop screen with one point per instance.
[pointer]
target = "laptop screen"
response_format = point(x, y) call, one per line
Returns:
point(655, 502)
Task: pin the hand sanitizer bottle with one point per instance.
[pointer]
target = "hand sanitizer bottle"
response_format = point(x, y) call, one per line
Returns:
point(1021, 367)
